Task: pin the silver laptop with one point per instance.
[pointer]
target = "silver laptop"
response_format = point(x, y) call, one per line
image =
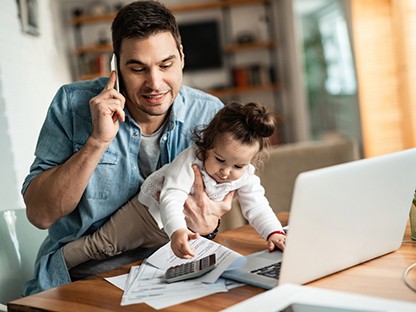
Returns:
point(340, 216)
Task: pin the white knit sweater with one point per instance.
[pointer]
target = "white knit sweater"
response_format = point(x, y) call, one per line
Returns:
point(174, 182)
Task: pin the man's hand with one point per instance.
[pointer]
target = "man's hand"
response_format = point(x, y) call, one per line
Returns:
point(201, 213)
point(106, 110)
point(56, 192)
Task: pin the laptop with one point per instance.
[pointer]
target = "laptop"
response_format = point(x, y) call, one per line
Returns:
point(340, 216)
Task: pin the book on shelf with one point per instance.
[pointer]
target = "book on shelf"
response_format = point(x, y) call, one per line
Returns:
point(251, 75)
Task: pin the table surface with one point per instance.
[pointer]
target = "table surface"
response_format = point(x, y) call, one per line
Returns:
point(381, 277)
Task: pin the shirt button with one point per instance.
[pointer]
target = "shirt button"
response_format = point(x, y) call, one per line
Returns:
point(164, 138)
point(135, 133)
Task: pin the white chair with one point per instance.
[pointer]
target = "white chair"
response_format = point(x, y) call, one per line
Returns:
point(19, 244)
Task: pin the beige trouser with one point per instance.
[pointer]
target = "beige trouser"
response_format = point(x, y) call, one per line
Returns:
point(129, 227)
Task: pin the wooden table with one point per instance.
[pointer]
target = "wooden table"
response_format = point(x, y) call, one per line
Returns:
point(379, 277)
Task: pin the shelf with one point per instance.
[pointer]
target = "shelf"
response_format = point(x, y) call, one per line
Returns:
point(95, 48)
point(251, 86)
point(238, 47)
point(93, 19)
point(233, 91)
point(220, 4)
point(191, 7)
point(230, 48)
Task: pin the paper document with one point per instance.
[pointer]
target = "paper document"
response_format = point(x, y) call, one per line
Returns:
point(227, 259)
point(145, 283)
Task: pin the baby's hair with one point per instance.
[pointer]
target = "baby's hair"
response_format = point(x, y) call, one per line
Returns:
point(247, 123)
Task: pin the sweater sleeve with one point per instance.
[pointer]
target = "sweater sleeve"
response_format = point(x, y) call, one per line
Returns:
point(255, 206)
point(178, 182)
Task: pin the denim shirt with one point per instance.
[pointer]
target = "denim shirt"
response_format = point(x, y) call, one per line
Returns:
point(116, 179)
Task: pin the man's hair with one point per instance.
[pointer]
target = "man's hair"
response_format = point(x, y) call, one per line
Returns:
point(142, 19)
point(246, 123)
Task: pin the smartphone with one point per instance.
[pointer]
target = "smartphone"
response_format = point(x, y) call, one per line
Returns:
point(113, 66)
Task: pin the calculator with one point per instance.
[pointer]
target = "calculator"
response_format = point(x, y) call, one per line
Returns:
point(190, 269)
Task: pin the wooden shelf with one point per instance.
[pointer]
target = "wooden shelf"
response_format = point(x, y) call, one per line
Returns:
point(93, 19)
point(208, 5)
point(230, 48)
point(239, 47)
point(235, 91)
point(95, 48)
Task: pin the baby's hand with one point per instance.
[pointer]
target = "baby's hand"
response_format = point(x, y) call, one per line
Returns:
point(179, 243)
point(276, 240)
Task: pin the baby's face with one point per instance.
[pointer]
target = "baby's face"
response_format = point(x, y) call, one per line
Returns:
point(228, 159)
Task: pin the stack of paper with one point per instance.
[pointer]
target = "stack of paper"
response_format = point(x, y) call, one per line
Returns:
point(145, 283)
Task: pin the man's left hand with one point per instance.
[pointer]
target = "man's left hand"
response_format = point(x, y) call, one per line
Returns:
point(201, 213)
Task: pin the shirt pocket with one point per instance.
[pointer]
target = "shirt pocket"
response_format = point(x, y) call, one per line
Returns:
point(101, 182)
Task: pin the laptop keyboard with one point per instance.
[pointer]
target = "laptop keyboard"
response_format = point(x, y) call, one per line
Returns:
point(271, 271)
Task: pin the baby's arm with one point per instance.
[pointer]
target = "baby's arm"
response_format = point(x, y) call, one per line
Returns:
point(276, 239)
point(179, 243)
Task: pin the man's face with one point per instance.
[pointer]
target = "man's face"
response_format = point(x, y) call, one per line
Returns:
point(152, 73)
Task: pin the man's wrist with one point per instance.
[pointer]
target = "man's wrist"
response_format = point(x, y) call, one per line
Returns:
point(213, 234)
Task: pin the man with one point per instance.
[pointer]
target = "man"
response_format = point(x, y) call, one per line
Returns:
point(91, 159)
